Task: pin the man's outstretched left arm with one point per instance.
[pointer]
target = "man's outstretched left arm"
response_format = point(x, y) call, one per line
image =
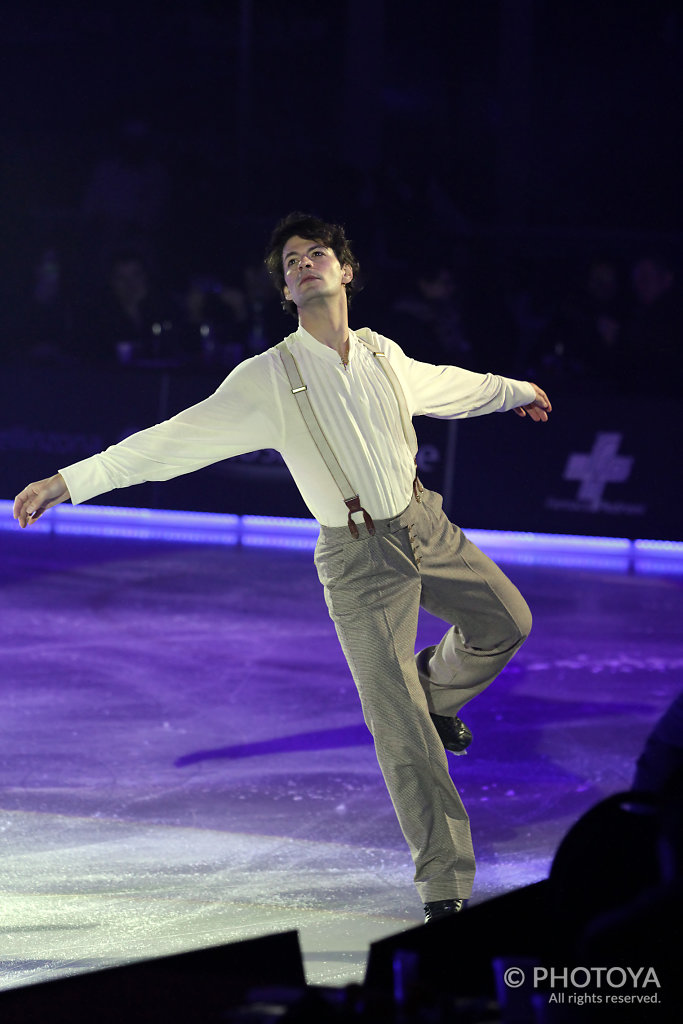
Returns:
point(451, 392)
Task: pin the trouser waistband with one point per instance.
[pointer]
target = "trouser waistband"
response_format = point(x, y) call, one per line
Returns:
point(341, 535)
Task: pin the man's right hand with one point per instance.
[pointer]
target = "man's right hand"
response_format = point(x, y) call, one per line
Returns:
point(38, 497)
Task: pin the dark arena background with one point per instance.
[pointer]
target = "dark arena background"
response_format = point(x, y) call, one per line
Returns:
point(193, 824)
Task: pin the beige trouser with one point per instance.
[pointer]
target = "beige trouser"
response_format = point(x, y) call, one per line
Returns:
point(374, 587)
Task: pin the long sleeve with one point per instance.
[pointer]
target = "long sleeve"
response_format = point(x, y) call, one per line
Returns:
point(449, 392)
point(243, 415)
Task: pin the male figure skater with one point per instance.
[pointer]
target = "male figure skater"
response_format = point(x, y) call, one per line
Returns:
point(338, 406)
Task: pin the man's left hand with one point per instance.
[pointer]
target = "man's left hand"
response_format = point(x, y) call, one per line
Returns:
point(539, 408)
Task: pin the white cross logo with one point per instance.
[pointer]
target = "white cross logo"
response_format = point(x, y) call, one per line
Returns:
point(598, 468)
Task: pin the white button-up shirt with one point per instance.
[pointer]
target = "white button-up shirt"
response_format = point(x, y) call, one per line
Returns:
point(355, 405)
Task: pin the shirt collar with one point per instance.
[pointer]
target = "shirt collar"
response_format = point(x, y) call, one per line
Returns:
point(316, 347)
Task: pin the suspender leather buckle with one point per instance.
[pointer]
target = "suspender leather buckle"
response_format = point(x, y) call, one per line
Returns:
point(354, 505)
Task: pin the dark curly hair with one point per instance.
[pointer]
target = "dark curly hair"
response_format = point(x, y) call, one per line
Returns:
point(305, 225)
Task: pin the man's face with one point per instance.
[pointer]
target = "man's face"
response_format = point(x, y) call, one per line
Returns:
point(312, 272)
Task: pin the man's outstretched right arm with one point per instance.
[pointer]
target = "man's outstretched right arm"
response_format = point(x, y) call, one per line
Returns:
point(38, 497)
point(241, 416)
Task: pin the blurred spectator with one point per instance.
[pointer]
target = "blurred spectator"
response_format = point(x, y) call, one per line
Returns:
point(42, 329)
point(642, 928)
point(224, 323)
point(661, 760)
point(521, 289)
point(652, 344)
point(616, 882)
point(126, 199)
point(428, 318)
point(132, 321)
point(267, 322)
point(215, 321)
point(581, 341)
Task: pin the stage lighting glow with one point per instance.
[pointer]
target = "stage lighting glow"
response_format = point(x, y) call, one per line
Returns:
point(614, 554)
point(663, 548)
point(277, 540)
point(280, 524)
point(563, 550)
point(658, 556)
